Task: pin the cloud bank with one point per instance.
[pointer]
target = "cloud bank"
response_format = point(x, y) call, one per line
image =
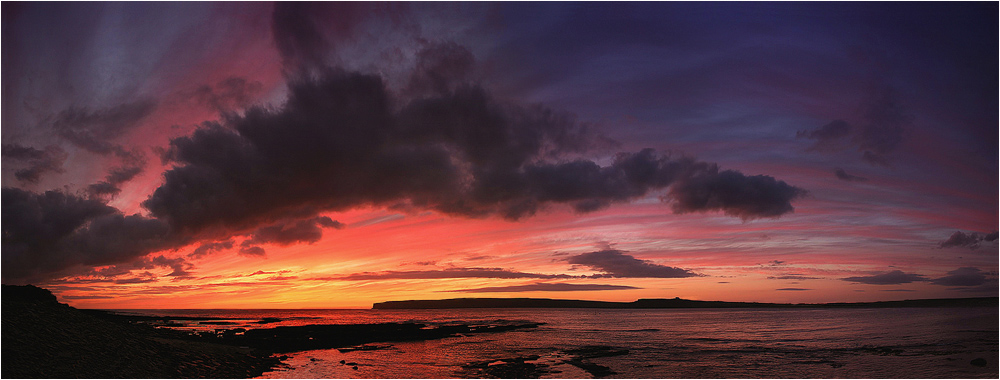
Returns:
point(343, 140)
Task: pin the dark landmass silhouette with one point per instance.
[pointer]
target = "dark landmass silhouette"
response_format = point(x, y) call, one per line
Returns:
point(675, 303)
point(43, 338)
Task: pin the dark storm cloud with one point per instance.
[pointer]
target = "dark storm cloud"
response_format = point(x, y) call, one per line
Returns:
point(878, 131)
point(545, 287)
point(337, 144)
point(447, 273)
point(966, 276)
point(440, 68)
point(94, 130)
point(50, 232)
point(735, 194)
point(841, 174)
point(971, 240)
point(207, 248)
point(895, 277)
point(616, 263)
point(38, 161)
point(299, 41)
point(301, 231)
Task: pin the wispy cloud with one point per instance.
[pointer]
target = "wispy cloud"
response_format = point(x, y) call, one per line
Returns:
point(545, 287)
point(447, 273)
point(966, 276)
point(895, 277)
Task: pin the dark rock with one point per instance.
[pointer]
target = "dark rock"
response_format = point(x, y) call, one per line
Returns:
point(267, 320)
point(590, 352)
point(28, 294)
point(509, 368)
point(45, 339)
point(596, 370)
point(978, 362)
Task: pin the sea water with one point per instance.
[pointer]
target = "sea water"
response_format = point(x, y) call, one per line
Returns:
point(655, 343)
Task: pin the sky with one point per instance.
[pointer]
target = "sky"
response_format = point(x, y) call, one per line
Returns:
point(333, 155)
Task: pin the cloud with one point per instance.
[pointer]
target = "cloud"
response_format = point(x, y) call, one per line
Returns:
point(299, 41)
point(965, 276)
point(882, 130)
point(51, 232)
point(877, 132)
point(179, 268)
point(207, 248)
point(343, 140)
point(288, 233)
point(85, 297)
point(253, 251)
point(616, 263)
point(447, 273)
point(229, 94)
point(735, 194)
point(829, 137)
point(38, 161)
point(889, 278)
point(545, 287)
point(971, 240)
point(135, 280)
point(841, 174)
point(94, 130)
point(792, 289)
point(133, 162)
point(337, 144)
point(792, 277)
point(440, 68)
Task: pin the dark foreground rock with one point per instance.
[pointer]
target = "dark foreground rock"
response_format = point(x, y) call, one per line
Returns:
point(45, 339)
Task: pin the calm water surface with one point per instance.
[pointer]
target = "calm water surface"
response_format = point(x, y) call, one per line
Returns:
point(662, 343)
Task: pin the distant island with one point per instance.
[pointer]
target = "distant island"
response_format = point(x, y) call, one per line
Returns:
point(663, 303)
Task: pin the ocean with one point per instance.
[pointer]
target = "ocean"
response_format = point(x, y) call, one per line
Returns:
point(651, 343)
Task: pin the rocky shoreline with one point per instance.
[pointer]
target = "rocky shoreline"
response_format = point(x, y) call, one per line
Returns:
point(43, 338)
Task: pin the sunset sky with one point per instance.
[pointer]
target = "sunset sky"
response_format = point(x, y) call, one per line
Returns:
point(332, 155)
